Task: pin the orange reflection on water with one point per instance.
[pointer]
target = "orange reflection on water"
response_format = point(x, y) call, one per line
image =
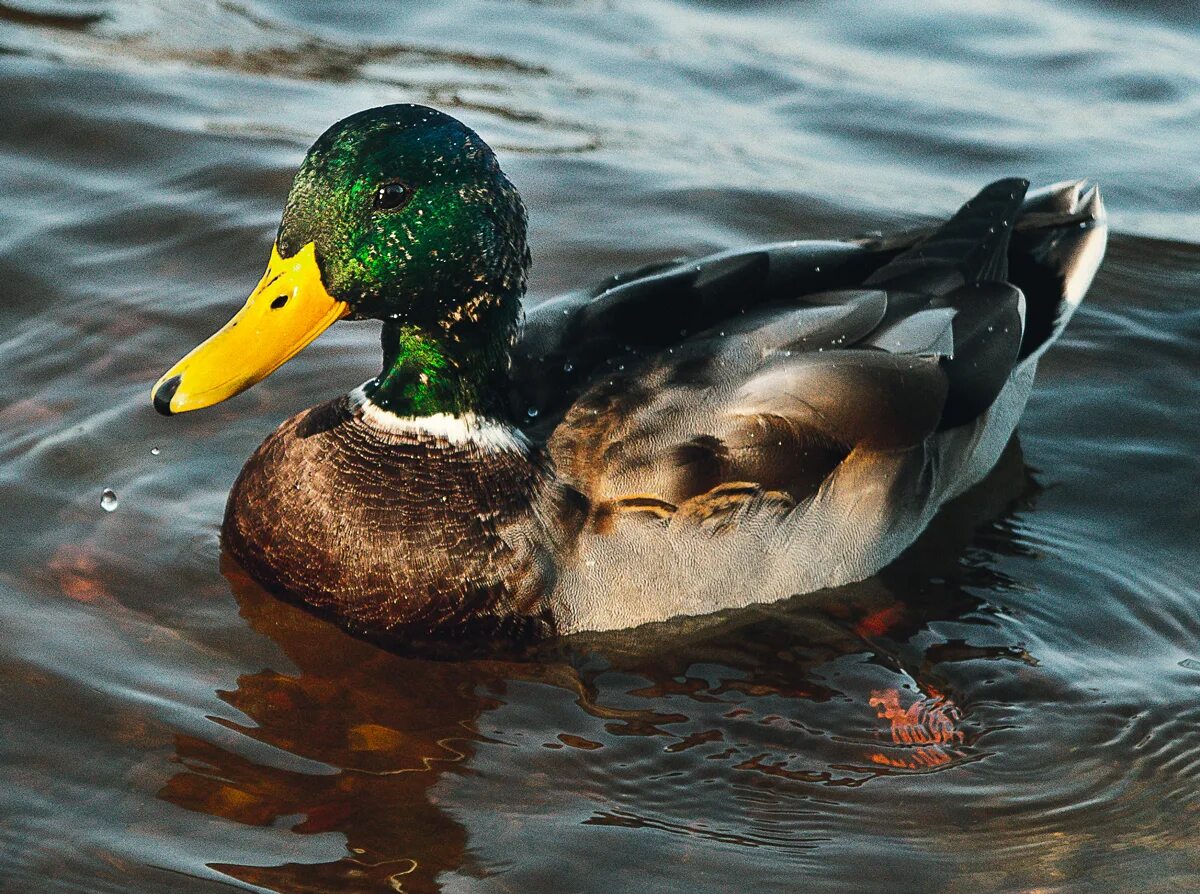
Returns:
point(929, 726)
point(77, 574)
point(880, 622)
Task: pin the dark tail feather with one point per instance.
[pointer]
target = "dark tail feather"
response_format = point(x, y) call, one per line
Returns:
point(973, 244)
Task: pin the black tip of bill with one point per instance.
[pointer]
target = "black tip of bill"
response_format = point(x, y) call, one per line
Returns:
point(166, 391)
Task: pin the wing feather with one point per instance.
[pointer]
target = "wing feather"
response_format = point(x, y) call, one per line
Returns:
point(750, 377)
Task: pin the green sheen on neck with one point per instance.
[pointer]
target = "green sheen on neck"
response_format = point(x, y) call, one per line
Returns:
point(415, 380)
point(426, 373)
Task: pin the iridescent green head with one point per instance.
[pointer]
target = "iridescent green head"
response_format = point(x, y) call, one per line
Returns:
point(410, 215)
point(399, 213)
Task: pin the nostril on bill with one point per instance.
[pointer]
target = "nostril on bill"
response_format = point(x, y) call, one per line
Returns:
point(279, 302)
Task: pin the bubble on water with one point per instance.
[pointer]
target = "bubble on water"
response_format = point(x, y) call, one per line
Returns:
point(531, 412)
point(108, 500)
point(154, 451)
point(568, 366)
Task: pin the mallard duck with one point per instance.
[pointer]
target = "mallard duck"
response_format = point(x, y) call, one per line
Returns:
point(689, 437)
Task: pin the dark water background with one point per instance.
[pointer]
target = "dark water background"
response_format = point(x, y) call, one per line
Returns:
point(1014, 706)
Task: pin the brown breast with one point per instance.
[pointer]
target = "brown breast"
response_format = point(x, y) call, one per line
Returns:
point(392, 529)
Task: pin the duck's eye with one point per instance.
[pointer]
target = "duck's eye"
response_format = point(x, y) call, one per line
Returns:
point(391, 196)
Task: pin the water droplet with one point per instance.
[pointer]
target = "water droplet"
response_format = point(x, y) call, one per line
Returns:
point(154, 451)
point(818, 268)
point(531, 412)
point(568, 367)
point(108, 500)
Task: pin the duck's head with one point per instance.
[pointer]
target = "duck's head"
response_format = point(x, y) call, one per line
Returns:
point(399, 213)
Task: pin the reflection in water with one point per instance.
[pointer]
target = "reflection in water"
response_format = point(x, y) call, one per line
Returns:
point(383, 727)
point(929, 724)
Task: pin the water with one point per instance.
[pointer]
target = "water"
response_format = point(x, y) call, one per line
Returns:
point(1012, 707)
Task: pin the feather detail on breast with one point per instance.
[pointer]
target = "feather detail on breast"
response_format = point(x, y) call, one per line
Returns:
point(394, 523)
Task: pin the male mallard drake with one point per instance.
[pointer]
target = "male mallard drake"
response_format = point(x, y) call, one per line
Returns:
point(686, 438)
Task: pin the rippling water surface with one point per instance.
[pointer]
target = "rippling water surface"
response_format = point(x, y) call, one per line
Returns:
point(1014, 706)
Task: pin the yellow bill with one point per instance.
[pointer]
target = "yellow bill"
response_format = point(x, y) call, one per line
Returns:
point(287, 310)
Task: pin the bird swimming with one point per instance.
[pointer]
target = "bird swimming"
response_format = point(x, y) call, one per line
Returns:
point(685, 438)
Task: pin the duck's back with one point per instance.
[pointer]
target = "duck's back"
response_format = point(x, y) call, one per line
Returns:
point(836, 396)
